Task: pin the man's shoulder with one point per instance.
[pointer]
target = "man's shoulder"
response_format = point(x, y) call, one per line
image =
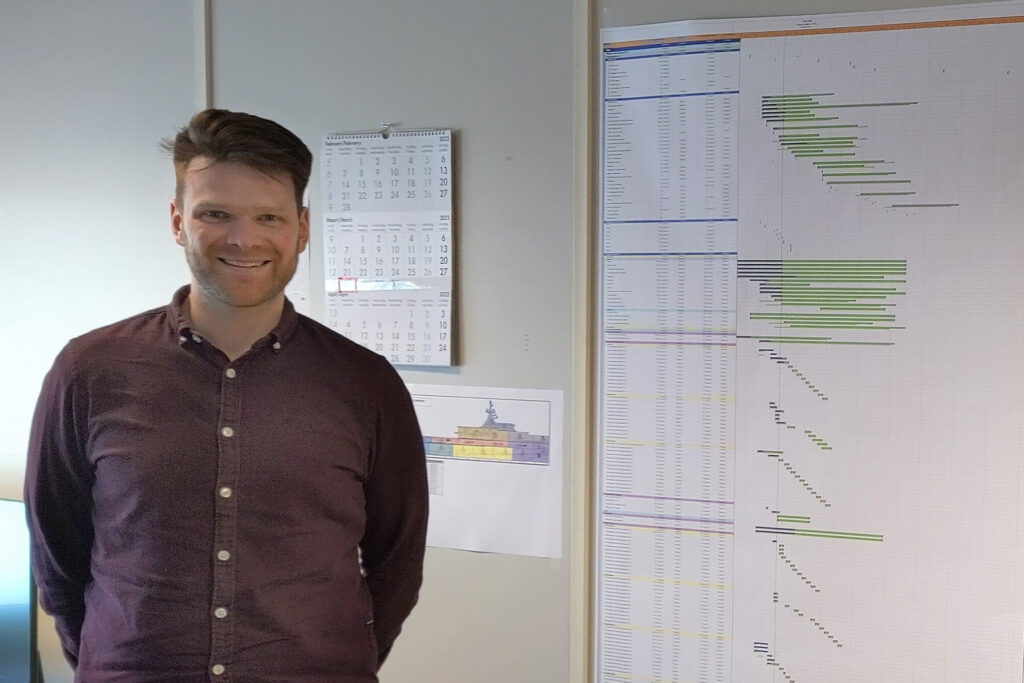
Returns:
point(135, 332)
point(150, 321)
point(334, 348)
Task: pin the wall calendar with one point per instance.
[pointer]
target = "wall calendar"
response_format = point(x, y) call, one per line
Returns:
point(387, 235)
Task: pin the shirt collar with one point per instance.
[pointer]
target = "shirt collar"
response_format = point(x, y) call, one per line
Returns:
point(182, 325)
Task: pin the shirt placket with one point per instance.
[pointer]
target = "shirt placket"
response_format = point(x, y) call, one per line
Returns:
point(225, 534)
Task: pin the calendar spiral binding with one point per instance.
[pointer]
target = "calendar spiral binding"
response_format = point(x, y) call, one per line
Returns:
point(386, 131)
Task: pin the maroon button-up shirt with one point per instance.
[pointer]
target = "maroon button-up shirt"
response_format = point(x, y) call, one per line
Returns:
point(198, 519)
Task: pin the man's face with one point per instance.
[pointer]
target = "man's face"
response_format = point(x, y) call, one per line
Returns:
point(241, 231)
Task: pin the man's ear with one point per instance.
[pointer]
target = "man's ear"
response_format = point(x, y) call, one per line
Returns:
point(177, 223)
point(303, 228)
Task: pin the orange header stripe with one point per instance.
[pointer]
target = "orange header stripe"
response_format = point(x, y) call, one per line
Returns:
point(823, 31)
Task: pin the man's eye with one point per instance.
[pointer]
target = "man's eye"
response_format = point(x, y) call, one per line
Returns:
point(269, 218)
point(214, 215)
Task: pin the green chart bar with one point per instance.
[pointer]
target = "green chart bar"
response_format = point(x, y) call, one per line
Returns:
point(819, 533)
point(834, 295)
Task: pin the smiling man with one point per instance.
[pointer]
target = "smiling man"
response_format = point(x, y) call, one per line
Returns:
point(221, 489)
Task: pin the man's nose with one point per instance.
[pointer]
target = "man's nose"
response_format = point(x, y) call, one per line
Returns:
point(244, 233)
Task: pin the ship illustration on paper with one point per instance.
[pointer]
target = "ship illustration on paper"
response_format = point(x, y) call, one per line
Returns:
point(492, 440)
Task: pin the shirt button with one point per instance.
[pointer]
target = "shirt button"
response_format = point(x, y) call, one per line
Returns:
point(277, 346)
point(230, 372)
point(223, 555)
point(227, 431)
point(217, 669)
point(220, 612)
point(225, 492)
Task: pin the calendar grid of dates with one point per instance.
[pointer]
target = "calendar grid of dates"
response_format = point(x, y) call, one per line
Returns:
point(388, 252)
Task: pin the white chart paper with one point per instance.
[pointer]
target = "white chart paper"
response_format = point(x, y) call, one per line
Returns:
point(812, 353)
point(494, 461)
point(387, 228)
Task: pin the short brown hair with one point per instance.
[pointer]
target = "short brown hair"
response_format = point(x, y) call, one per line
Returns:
point(242, 138)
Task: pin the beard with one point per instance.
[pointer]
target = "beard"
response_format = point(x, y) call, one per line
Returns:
point(237, 287)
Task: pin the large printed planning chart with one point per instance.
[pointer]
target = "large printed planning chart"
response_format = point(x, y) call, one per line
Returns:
point(811, 365)
point(387, 235)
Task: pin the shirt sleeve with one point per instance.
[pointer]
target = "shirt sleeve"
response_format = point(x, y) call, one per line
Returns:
point(396, 513)
point(58, 498)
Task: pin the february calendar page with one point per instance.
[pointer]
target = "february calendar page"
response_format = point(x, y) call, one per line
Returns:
point(387, 229)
